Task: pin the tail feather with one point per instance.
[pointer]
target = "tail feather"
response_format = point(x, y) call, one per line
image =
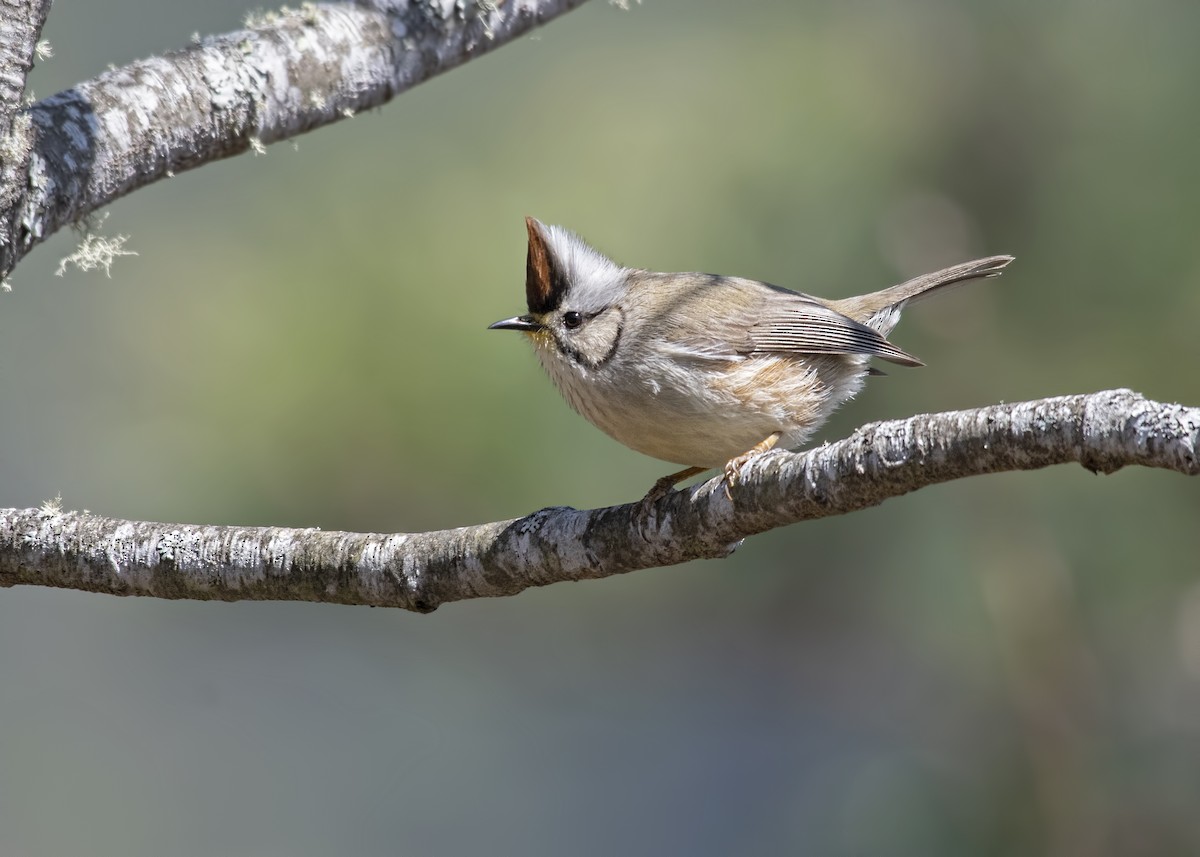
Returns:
point(887, 302)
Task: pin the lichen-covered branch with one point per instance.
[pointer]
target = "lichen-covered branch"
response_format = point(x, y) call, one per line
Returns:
point(419, 571)
point(287, 73)
point(21, 24)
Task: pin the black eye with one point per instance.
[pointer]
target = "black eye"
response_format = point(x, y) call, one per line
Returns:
point(572, 319)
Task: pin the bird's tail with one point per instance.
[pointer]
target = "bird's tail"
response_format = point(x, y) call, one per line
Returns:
point(881, 310)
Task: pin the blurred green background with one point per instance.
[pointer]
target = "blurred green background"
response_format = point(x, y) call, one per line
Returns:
point(1003, 666)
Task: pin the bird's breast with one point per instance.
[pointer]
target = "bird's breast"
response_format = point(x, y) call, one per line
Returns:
point(703, 413)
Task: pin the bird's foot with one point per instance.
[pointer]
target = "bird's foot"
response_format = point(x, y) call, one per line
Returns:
point(662, 488)
point(734, 465)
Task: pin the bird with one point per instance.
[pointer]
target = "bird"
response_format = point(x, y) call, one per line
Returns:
point(704, 370)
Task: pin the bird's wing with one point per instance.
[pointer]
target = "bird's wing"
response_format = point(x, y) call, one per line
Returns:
point(791, 323)
point(724, 318)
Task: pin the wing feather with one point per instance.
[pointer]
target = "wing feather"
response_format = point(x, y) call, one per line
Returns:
point(724, 318)
point(796, 324)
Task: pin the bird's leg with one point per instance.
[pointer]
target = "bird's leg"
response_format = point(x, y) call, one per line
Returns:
point(733, 465)
point(663, 486)
point(643, 511)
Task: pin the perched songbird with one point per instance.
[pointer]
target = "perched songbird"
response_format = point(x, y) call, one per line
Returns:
point(699, 369)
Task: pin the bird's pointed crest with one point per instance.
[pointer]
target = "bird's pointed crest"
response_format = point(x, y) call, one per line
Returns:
point(544, 280)
point(562, 267)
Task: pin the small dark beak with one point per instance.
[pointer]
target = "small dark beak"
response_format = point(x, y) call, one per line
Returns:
point(520, 322)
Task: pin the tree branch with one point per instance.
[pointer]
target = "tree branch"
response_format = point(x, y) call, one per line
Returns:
point(286, 74)
point(21, 24)
point(419, 571)
point(21, 27)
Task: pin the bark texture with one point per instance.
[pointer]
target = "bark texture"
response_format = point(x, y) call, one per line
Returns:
point(287, 73)
point(420, 571)
point(21, 24)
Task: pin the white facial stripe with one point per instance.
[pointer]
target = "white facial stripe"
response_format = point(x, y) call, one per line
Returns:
point(595, 280)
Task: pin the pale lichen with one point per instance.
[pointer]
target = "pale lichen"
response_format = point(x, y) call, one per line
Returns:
point(96, 251)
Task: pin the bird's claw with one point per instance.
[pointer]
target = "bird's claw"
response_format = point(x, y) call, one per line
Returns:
point(643, 509)
point(732, 466)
